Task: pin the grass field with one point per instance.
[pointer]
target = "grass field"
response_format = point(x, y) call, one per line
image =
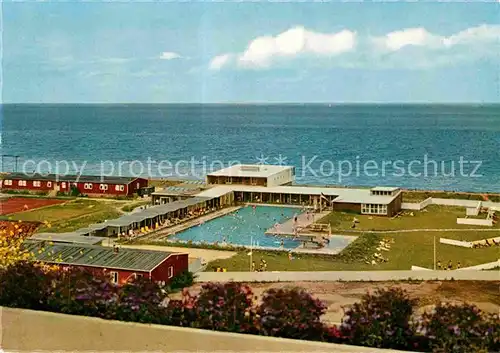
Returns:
point(432, 217)
point(72, 215)
point(408, 249)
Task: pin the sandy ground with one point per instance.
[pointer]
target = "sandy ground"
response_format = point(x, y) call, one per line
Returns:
point(337, 295)
point(207, 255)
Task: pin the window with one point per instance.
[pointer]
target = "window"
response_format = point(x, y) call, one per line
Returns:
point(119, 187)
point(170, 272)
point(8, 182)
point(103, 187)
point(63, 185)
point(87, 186)
point(49, 184)
point(114, 277)
point(374, 209)
point(21, 183)
point(37, 184)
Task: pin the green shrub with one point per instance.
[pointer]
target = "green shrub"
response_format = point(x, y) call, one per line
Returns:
point(182, 280)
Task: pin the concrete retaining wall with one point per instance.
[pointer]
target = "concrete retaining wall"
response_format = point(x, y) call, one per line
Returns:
point(30, 331)
point(475, 222)
point(465, 244)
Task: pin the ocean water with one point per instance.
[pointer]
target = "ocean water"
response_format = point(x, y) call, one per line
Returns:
point(243, 227)
point(441, 147)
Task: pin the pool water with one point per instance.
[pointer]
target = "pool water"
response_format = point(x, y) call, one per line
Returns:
point(243, 226)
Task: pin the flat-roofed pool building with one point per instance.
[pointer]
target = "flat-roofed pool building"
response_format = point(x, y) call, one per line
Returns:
point(376, 201)
point(86, 184)
point(120, 264)
point(259, 175)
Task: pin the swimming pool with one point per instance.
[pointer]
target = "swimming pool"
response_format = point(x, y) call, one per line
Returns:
point(240, 227)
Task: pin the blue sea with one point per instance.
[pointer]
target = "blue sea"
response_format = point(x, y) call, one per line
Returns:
point(441, 147)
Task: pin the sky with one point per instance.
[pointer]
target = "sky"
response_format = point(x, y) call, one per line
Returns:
point(209, 52)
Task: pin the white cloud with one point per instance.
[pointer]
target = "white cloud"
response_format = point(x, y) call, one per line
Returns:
point(419, 37)
point(410, 48)
point(293, 42)
point(220, 61)
point(168, 55)
point(475, 35)
point(409, 37)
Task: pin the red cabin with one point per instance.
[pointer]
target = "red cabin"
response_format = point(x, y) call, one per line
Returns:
point(121, 264)
point(87, 185)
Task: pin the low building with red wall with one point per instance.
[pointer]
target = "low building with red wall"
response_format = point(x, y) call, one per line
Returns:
point(120, 264)
point(87, 185)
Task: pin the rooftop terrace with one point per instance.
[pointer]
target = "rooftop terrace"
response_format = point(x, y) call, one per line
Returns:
point(244, 170)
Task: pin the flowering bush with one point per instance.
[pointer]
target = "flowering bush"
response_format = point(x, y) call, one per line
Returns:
point(225, 307)
point(140, 301)
point(291, 313)
point(81, 292)
point(23, 285)
point(12, 235)
point(381, 320)
point(458, 328)
point(179, 313)
point(492, 334)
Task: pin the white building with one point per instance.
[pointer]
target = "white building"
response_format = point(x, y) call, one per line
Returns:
point(259, 175)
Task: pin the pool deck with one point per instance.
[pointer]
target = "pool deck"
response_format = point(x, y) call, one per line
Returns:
point(280, 205)
point(164, 233)
point(286, 228)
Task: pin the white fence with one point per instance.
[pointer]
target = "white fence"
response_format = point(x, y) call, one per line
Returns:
point(411, 206)
point(465, 244)
point(474, 206)
point(473, 211)
point(418, 268)
point(487, 266)
point(417, 206)
point(475, 222)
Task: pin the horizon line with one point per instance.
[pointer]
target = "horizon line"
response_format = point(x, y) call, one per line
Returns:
point(251, 103)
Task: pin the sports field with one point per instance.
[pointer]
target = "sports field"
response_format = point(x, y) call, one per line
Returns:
point(19, 204)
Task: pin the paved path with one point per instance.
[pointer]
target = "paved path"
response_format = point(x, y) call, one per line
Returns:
point(303, 221)
point(354, 276)
point(166, 231)
point(417, 230)
point(205, 254)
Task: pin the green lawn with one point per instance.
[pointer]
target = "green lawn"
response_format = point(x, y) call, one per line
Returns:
point(408, 249)
point(72, 215)
point(133, 205)
point(433, 217)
